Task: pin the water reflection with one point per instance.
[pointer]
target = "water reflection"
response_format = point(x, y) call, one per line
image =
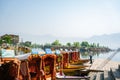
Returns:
point(100, 55)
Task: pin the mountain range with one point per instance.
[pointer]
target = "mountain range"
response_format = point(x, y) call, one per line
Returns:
point(111, 40)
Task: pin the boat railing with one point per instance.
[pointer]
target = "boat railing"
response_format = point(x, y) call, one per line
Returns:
point(74, 78)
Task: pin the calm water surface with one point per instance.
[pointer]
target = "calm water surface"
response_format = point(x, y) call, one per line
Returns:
point(101, 56)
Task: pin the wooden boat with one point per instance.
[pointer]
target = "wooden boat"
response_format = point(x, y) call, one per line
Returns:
point(35, 65)
point(49, 66)
point(74, 58)
point(10, 68)
point(80, 62)
point(24, 71)
point(59, 62)
point(24, 49)
point(65, 59)
point(67, 67)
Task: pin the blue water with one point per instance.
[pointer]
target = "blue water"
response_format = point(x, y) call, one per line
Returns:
point(101, 56)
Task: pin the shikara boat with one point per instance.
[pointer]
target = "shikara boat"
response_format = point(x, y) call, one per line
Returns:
point(49, 66)
point(9, 69)
point(67, 67)
point(10, 66)
point(35, 65)
point(59, 62)
point(74, 58)
point(24, 71)
point(40, 67)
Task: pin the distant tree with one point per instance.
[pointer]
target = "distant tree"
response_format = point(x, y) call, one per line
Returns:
point(6, 39)
point(27, 43)
point(56, 43)
point(98, 45)
point(0, 41)
point(76, 44)
point(93, 45)
point(35, 45)
point(42, 46)
point(84, 44)
point(47, 45)
point(69, 44)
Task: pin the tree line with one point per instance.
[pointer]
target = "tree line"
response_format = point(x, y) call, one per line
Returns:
point(57, 43)
point(81, 45)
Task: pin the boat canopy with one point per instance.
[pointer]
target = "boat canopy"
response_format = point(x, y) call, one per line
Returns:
point(48, 51)
point(34, 51)
point(57, 51)
point(7, 53)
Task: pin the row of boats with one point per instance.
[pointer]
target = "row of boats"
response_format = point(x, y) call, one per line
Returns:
point(37, 65)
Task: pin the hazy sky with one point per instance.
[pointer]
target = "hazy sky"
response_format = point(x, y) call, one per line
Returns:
point(66, 18)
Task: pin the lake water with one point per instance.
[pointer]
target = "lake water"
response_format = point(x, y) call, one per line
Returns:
point(101, 56)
